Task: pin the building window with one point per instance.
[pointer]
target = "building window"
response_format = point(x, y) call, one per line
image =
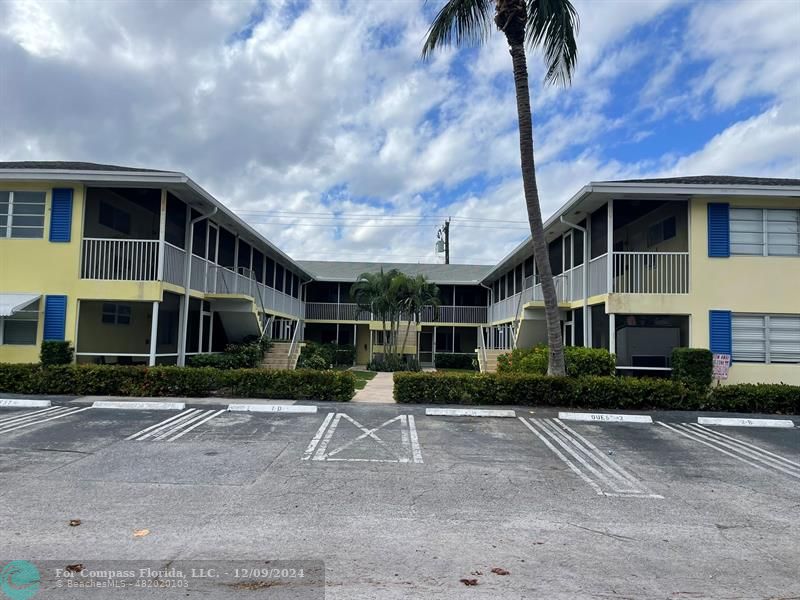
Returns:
point(116, 314)
point(765, 232)
point(22, 214)
point(114, 218)
point(21, 327)
point(766, 338)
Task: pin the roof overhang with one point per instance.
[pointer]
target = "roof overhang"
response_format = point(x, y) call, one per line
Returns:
point(11, 303)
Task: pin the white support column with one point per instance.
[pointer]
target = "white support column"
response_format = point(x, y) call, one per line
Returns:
point(162, 228)
point(610, 249)
point(355, 342)
point(183, 307)
point(236, 263)
point(153, 334)
point(434, 345)
point(612, 333)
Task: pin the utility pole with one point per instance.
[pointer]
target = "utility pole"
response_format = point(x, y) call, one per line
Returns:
point(444, 236)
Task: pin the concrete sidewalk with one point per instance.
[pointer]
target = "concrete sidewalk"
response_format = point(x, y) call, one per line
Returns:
point(379, 390)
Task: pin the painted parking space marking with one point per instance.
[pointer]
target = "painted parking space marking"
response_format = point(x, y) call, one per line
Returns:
point(408, 451)
point(39, 417)
point(176, 426)
point(603, 475)
point(745, 452)
point(468, 412)
point(737, 422)
point(604, 417)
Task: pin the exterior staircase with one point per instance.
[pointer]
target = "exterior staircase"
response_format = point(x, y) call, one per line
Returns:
point(490, 364)
point(281, 356)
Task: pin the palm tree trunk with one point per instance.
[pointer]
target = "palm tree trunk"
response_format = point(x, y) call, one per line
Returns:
point(555, 365)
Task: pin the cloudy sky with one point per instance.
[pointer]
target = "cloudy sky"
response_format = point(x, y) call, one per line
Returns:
point(319, 124)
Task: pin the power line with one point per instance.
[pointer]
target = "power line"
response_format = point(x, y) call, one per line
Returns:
point(396, 227)
point(344, 216)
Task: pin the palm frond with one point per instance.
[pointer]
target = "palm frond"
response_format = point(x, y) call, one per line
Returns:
point(553, 25)
point(459, 23)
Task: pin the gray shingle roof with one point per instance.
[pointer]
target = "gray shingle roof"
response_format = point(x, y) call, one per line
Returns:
point(349, 271)
point(71, 166)
point(715, 180)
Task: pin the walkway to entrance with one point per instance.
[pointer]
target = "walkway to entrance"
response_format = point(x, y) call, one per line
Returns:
point(379, 390)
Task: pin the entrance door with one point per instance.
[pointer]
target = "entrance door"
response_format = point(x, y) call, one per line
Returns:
point(426, 347)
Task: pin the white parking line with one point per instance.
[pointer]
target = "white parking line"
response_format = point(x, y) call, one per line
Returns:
point(409, 450)
point(42, 418)
point(20, 416)
point(468, 412)
point(176, 426)
point(737, 449)
point(23, 403)
point(604, 417)
point(737, 422)
point(606, 473)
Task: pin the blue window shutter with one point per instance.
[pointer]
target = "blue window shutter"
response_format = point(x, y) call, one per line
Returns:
point(720, 331)
point(719, 230)
point(61, 215)
point(55, 317)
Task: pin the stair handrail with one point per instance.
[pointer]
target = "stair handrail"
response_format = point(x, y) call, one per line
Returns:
point(483, 360)
point(294, 343)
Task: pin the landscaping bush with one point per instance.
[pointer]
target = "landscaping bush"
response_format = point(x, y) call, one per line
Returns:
point(55, 353)
point(579, 361)
point(246, 355)
point(692, 366)
point(110, 380)
point(537, 390)
point(392, 363)
point(455, 361)
point(324, 356)
point(756, 397)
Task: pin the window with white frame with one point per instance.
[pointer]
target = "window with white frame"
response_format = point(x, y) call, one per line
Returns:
point(22, 214)
point(21, 327)
point(765, 232)
point(116, 314)
point(766, 338)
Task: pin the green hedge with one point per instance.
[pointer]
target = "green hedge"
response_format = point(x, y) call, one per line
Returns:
point(108, 380)
point(446, 360)
point(579, 361)
point(323, 356)
point(757, 398)
point(55, 353)
point(246, 355)
point(590, 392)
point(692, 366)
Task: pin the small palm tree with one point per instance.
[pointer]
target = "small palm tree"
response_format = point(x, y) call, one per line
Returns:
point(547, 24)
point(418, 294)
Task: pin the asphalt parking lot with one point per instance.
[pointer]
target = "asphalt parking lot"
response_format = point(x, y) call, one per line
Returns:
point(400, 504)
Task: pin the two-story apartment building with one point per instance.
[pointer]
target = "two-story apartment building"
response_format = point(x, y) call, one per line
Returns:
point(140, 266)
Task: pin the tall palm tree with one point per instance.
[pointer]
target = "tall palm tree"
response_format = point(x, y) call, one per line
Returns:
point(552, 26)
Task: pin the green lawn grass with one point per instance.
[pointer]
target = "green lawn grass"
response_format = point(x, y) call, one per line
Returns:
point(362, 377)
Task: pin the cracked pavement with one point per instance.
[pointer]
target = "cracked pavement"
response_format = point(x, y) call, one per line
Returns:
point(488, 493)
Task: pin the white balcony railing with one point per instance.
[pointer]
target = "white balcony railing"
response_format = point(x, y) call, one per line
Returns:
point(137, 260)
point(651, 272)
point(331, 311)
point(119, 260)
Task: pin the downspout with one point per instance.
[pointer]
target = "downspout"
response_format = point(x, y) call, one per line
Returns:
point(186, 283)
point(585, 277)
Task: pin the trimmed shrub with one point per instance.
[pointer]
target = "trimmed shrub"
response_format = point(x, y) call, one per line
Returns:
point(55, 353)
point(324, 356)
point(756, 397)
point(692, 366)
point(537, 390)
point(579, 361)
point(247, 355)
point(110, 380)
point(455, 361)
point(393, 364)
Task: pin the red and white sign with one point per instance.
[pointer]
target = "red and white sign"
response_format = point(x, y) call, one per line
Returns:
point(722, 362)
